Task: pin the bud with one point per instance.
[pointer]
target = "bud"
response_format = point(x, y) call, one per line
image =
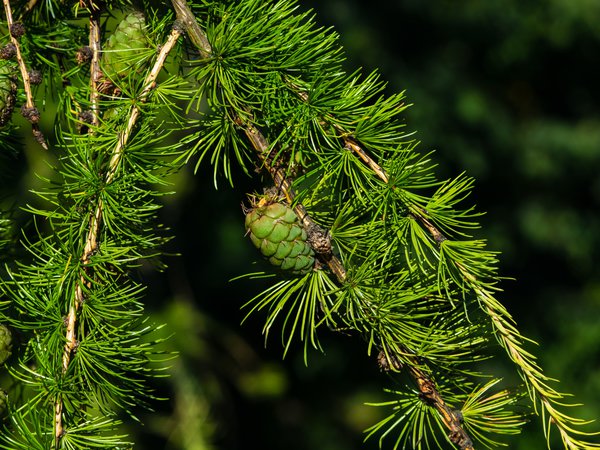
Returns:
point(17, 30)
point(8, 51)
point(35, 77)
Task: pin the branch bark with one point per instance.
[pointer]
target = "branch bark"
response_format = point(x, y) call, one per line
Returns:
point(95, 71)
point(28, 110)
point(187, 19)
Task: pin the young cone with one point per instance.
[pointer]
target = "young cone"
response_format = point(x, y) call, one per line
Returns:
point(274, 229)
point(124, 51)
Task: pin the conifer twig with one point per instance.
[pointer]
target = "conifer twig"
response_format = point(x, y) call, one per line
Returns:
point(186, 17)
point(352, 145)
point(426, 386)
point(29, 111)
point(509, 337)
point(451, 419)
point(95, 71)
point(28, 7)
point(95, 223)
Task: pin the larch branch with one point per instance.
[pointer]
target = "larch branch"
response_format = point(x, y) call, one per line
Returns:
point(95, 71)
point(29, 110)
point(187, 19)
point(95, 223)
point(502, 322)
point(426, 385)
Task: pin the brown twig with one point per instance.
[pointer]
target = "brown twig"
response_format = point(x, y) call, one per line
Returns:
point(450, 417)
point(95, 223)
point(95, 71)
point(29, 110)
point(352, 145)
point(427, 387)
point(428, 392)
point(28, 7)
point(187, 19)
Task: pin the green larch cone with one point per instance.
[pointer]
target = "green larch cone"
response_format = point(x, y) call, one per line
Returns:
point(5, 343)
point(8, 89)
point(125, 50)
point(274, 229)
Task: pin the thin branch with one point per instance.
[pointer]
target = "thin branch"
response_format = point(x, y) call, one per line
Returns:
point(428, 393)
point(20, 61)
point(95, 71)
point(91, 243)
point(95, 223)
point(29, 110)
point(449, 416)
point(503, 323)
point(351, 144)
point(187, 19)
point(28, 7)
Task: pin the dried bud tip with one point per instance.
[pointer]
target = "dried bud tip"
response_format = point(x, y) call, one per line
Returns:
point(8, 51)
point(17, 30)
point(39, 137)
point(84, 55)
point(86, 116)
point(179, 26)
point(320, 240)
point(35, 77)
point(31, 114)
point(459, 415)
point(388, 362)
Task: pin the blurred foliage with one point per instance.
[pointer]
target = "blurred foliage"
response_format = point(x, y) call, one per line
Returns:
point(504, 90)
